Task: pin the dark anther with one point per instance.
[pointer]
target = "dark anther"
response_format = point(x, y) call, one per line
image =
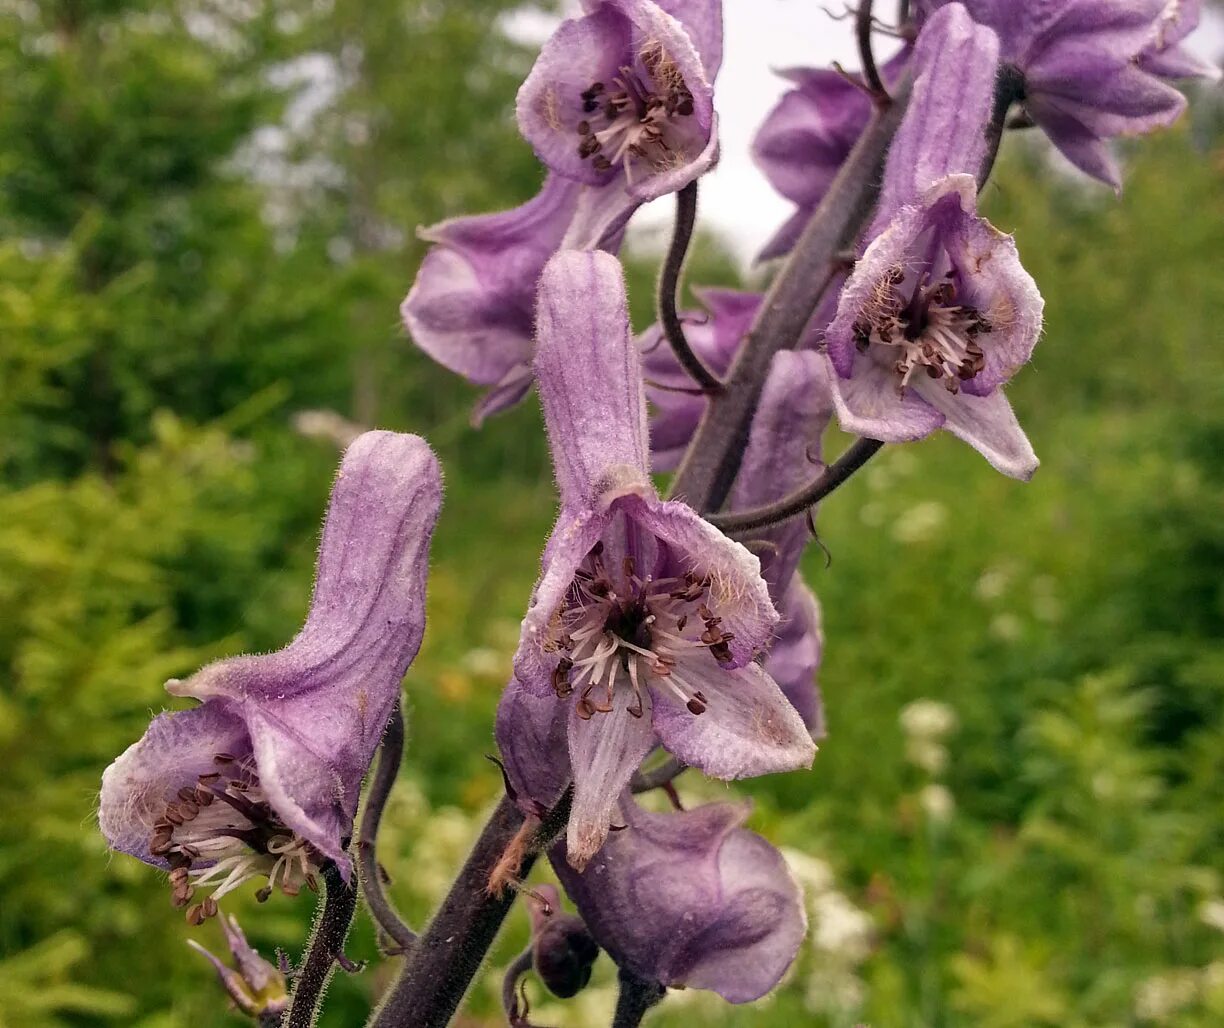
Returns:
point(695, 706)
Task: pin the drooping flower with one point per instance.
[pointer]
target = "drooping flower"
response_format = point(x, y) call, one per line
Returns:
point(646, 623)
point(472, 306)
point(627, 86)
point(621, 100)
point(262, 778)
point(715, 335)
point(806, 137)
point(1095, 69)
point(691, 899)
point(938, 312)
point(783, 453)
point(257, 988)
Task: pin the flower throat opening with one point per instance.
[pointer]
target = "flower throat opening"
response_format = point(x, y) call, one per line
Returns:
point(629, 119)
point(616, 635)
point(226, 821)
point(926, 330)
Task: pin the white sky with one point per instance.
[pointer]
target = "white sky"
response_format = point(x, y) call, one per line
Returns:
point(760, 35)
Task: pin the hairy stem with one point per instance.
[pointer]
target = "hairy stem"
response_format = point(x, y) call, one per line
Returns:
point(857, 454)
point(385, 773)
point(669, 288)
point(326, 945)
point(516, 1015)
point(636, 996)
point(451, 950)
point(709, 467)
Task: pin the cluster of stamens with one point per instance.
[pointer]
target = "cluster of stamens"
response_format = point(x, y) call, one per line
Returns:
point(634, 116)
point(225, 822)
point(626, 633)
point(930, 329)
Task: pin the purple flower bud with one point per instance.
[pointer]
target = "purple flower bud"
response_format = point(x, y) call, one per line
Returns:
point(562, 950)
point(1095, 69)
point(646, 622)
point(690, 899)
point(805, 139)
point(263, 777)
point(783, 453)
point(257, 988)
point(715, 335)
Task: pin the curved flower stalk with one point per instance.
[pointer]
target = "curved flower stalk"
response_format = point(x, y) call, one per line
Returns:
point(784, 452)
point(715, 335)
point(1093, 70)
point(262, 778)
point(619, 108)
point(805, 138)
point(691, 900)
point(646, 623)
point(938, 312)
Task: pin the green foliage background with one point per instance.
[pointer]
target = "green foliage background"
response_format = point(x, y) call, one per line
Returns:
point(167, 311)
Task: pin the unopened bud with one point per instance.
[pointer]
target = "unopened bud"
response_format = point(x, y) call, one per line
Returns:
point(563, 951)
point(256, 987)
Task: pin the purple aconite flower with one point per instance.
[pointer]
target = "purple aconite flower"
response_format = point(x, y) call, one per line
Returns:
point(691, 899)
point(783, 453)
point(472, 306)
point(262, 778)
point(646, 622)
point(621, 100)
point(804, 140)
point(1095, 69)
point(938, 312)
point(619, 107)
point(715, 335)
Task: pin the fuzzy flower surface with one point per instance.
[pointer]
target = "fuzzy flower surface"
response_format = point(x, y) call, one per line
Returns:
point(690, 899)
point(262, 778)
point(783, 453)
point(646, 623)
point(938, 312)
point(1092, 70)
point(619, 108)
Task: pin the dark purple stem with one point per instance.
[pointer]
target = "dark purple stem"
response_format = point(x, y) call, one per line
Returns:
point(385, 773)
point(710, 466)
point(857, 454)
point(862, 33)
point(669, 289)
point(326, 945)
point(450, 951)
point(636, 996)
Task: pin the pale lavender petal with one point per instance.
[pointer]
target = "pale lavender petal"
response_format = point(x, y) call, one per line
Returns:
point(590, 381)
point(749, 728)
point(794, 657)
point(604, 752)
point(736, 590)
point(944, 129)
point(472, 306)
point(176, 749)
point(988, 424)
point(869, 404)
point(532, 737)
point(703, 21)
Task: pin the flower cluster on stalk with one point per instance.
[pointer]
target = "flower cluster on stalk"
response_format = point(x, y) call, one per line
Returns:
point(651, 638)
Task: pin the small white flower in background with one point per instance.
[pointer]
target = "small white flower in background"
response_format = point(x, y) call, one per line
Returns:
point(813, 874)
point(841, 928)
point(927, 755)
point(994, 582)
point(938, 802)
point(927, 719)
point(1211, 913)
point(1161, 996)
point(1007, 627)
point(921, 523)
